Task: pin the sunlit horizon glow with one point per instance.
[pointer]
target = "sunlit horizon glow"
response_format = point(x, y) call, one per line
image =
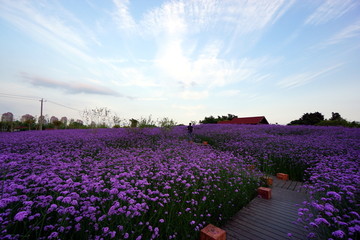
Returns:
point(181, 59)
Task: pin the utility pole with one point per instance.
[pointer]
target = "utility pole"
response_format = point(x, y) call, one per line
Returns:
point(41, 114)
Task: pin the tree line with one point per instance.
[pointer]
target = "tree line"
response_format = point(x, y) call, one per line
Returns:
point(91, 118)
point(318, 119)
point(315, 118)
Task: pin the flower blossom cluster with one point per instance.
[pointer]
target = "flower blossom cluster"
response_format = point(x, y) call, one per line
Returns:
point(326, 158)
point(116, 184)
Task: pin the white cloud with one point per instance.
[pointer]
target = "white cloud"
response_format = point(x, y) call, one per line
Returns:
point(52, 30)
point(178, 60)
point(304, 78)
point(194, 95)
point(123, 17)
point(151, 99)
point(191, 108)
point(330, 10)
point(69, 87)
point(130, 76)
point(229, 93)
point(176, 18)
point(207, 69)
point(349, 32)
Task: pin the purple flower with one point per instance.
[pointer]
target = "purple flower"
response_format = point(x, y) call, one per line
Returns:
point(53, 235)
point(338, 234)
point(20, 216)
point(161, 220)
point(112, 234)
point(311, 235)
point(319, 221)
point(334, 195)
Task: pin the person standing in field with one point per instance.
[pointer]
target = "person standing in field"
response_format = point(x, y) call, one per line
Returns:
point(190, 132)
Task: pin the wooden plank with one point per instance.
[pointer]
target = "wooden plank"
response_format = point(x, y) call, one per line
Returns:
point(278, 207)
point(245, 232)
point(271, 219)
point(275, 220)
point(288, 184)
point(233, 235)
point(297, 186)
point(285, 216)
point(288, 196)
point(276, 223)
point(268, 227)
point(262, 230)
point(279, 201)
point(274, 210)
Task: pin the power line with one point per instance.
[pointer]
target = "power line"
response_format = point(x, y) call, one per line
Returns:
point(63, 106)
point(22, 97)
point(18, 96)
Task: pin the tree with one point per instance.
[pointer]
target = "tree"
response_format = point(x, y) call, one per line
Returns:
point(133, 123)
point(57, 124)
point(308, 119)
point(211, 119)
point(167, 123)
point(76, 124)
point(64, 121)
point(28, 119)
point(101, 116)
point(146, 122)
point(335, 117)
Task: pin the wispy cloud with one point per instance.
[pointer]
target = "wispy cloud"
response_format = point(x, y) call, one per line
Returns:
point(330, 10)
point(192, 108)
point(181, 16)
point(305, 78)
point(349, 32)
point(208, 69)
point(123, 17)
point(52, 28)
point(69, 87)
point(229, 93)
point(194, 95)
point(190, 63)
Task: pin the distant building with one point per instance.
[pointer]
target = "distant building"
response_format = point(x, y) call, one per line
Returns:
point(27, 118)
point(7, 122)
point(246, 120)
point(7, 117)
point(64, 120)
point(53, 119)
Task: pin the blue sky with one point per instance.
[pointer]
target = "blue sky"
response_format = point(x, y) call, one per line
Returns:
point(181, 59)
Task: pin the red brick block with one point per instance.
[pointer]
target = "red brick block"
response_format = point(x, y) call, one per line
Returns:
point(210, 232)
point(264, 192)
point(282, 176)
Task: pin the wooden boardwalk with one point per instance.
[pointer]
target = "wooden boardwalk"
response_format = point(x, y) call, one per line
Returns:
point(265, 219)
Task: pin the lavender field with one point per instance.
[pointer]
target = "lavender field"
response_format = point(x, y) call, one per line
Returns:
point(154, 184)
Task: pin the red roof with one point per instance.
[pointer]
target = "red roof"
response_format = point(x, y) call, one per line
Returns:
point(246, 120)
